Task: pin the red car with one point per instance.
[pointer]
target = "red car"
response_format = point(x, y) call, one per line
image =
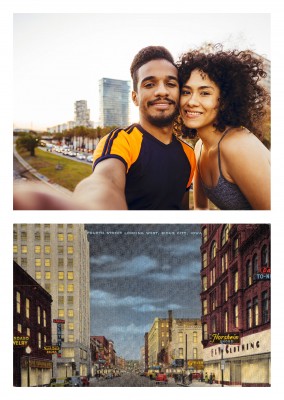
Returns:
point(161, 378)
point(85, 380)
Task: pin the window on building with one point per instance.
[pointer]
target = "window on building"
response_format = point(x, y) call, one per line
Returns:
point(60, 313)
point(235, 247)
point(205, 331)
point(47, 262)
point(46, 225)
point(226, 321)
point(71, 326)
point(224, 262)
point(60, 237)
point(180, 352)
point(44, 339)
point(38, 262)
point(18, 301)
point(70, 226)
point(24, 249)
point(44, 318)
point(39, 340)
point(37, 249)
point(204, 259)
point(265, 307)
point(60, 262)
point(38, 315)
point(70, 262)
point(249, 273)
point(61, 287)
point(47, 287)
point(69, 249)
point(224, 291)
point(213, 300)
point(60, 299)
point(60, 275)
point(68, 352)
point(19, 328)
point(195, 353)
point(204, 235)
point(225, 235)
point(38, 275)
point(204, 283)
point(28, 332)
point(70, 237)
point(180, 337)
point(236, 281)
point(15, 235)
point(249, 315)
point(213, 250)
point(24, 235)
point(255, 311)
point(255, 264)
point(47, 249)
point(37, 235)
point(204, 307)
point(194, 337)
point(46, 236)
point(212, 275)
point(15, 249)
point(70, 313)
point(24, 263)
point(213, 325)
point(70, 300)
point(70, 287)
point(70, 338)
point(60, 249)
point(47, 275)
point(27, 308)
point(70, 275)
point(264, 256)
point(236, 315)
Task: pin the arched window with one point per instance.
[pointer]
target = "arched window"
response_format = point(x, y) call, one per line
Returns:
point(255, 264)
point(213, 250)
point(264, 256)
point(225, 235)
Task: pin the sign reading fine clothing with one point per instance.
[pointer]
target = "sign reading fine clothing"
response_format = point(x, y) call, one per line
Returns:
point(225, 338)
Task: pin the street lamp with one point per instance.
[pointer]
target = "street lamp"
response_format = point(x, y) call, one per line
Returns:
point(28, 351)
point(66, 366)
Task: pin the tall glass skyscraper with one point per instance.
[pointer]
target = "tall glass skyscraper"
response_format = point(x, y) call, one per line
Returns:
point(114, 102)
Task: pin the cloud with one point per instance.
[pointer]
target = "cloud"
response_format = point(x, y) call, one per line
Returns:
point(135, 266)
point(105, 299)
point(130, 329)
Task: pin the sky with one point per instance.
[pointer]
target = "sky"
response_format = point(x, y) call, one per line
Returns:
point(138, 273)
point(58, 58)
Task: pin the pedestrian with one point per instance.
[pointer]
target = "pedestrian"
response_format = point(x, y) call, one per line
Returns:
point(224, 102)
point(213, 377)
point(206, 377)
point(144, 166)
point(210, 378)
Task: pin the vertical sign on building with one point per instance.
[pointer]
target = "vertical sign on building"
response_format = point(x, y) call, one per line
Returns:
point(59, 322)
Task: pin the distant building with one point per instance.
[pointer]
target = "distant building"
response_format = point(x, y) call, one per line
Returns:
point(57, 257)
point(114, 102)
point(235, 299)
point(82, 114)
point(32, 365)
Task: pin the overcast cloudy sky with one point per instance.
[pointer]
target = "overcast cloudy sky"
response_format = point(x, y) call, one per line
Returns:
point(138, 273)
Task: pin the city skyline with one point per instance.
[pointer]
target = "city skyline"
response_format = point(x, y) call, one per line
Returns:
point(64, 61)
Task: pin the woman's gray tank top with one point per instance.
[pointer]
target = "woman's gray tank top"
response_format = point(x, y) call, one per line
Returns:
point(225, 195)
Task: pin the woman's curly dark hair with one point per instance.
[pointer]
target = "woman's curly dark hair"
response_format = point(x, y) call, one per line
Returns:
point(243, 98)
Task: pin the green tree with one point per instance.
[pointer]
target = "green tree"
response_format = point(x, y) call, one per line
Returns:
point(28, 141)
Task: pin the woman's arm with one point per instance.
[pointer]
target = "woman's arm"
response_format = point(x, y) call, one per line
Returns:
point(246, 162)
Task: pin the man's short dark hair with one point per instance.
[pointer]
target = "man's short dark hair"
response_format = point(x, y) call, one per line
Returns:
point(145, 55)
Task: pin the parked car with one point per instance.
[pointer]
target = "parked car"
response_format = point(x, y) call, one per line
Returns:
point(90, 158)
point(85, 381)
point(81, 156)
point(161, 378)
point(73, 381)
point(58, 382)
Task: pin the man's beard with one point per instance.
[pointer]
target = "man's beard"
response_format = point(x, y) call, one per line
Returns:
point(163, 121)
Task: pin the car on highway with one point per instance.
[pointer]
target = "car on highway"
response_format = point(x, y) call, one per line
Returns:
point(90, 158)
point(81, 156)
point(161, 378)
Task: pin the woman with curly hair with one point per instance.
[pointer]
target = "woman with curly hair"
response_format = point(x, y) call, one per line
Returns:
point(223, 101)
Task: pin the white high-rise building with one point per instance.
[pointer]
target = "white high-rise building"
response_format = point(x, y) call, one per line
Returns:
point(57, 257)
